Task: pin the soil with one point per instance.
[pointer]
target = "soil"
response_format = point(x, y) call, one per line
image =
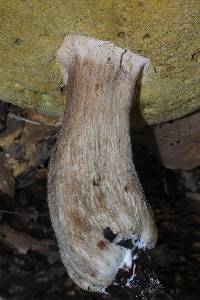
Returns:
point(30, 266)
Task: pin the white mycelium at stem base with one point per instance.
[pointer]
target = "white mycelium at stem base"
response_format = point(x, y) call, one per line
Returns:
point(92, 181)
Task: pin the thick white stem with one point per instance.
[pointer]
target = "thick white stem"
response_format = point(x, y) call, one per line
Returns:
point(93, 184)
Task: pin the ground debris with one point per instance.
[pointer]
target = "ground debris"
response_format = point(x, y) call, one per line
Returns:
point(22, 242)
point(26, 139)
point(176, 142)
point(30, 265)
point(7, 181)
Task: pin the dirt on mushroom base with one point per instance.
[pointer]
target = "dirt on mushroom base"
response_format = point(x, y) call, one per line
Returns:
point(30, 266)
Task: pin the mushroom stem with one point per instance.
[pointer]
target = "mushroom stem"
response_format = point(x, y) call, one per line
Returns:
point(93, 187)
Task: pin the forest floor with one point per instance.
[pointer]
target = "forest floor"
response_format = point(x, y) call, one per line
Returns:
point(30, 266)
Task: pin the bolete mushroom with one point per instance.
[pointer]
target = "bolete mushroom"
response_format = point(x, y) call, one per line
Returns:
point(97, 205)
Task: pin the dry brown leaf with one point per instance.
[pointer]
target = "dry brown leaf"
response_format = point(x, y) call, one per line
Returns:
point(42, 119)
point(22, 242)
point(179, 142)
point(26, 144)
point(7, 181)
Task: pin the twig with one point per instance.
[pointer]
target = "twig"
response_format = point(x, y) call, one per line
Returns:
point(22, 213)
point(23, 119)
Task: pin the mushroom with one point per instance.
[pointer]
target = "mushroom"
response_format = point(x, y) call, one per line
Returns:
point(97, 205)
